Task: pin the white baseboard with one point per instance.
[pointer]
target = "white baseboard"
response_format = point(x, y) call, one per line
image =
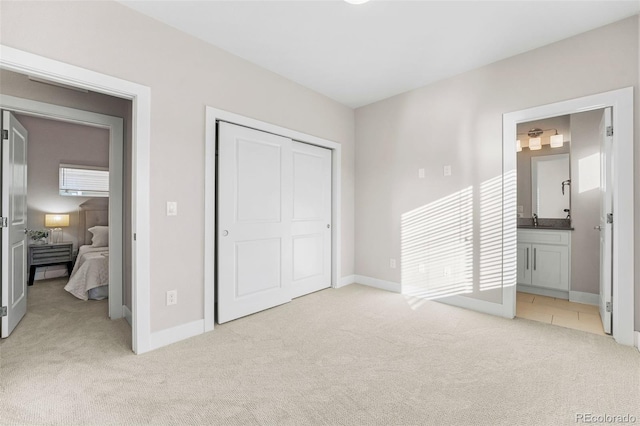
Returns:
point(586, 298)
point(637, 333)
point(349, 279)
point(381, 284)
point(127, 314)
point(559, 294)
point(472, 304)
point(175, 334)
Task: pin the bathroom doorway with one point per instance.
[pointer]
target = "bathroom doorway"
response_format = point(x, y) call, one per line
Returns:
point(564, 259)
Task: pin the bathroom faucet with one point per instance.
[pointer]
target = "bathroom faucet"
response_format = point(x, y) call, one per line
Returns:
point(535, 220)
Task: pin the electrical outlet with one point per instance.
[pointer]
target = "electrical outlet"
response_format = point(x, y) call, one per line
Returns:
point(447, 271)
point(172, 297)
point(392, 263)
point(421, 173)
point(447, 170)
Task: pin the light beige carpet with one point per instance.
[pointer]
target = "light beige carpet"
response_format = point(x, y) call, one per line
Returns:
point(353, 356)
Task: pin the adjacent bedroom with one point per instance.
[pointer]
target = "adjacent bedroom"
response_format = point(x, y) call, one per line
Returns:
point(67, 219)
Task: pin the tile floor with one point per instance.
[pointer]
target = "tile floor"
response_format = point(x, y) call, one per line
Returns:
point(559, 312)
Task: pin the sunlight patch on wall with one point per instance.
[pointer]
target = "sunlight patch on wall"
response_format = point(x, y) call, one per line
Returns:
point(510, 229)
point(589, 173)
point(437, 247)
point(491, 234)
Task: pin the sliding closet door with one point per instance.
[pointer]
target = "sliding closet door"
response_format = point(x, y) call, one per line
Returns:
point(311, 227)
point(254, 221)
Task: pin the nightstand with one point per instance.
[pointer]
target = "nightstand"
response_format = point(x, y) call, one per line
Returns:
point(49, 254)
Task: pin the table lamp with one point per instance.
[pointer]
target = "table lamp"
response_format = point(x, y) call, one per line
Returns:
point(56, 222)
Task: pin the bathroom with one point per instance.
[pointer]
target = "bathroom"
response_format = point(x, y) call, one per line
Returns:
point(560, 225)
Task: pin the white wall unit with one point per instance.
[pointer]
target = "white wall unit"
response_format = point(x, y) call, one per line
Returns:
point(543, 260)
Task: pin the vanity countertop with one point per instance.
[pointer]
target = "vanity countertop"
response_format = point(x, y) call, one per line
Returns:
point(546, 228)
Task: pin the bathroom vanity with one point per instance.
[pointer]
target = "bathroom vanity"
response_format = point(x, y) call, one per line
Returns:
point(544, 261)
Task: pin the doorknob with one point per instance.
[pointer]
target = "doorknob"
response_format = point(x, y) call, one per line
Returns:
point(599, 227)
point(225, 233)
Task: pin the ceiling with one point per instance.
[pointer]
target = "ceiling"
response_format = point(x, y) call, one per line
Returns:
point(361, 54)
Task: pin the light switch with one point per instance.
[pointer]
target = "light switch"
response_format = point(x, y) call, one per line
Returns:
point(172, 208)
point(421, 173)
point(447, 170)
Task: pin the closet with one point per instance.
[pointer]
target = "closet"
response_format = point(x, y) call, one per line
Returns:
point(273, 220)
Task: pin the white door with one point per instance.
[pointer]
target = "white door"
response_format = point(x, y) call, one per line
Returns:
point(254, 221)
point(606, 231)
point(14, 209)
point(311, 227)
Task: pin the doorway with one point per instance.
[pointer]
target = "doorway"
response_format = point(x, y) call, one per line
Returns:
point(621, 104)
point(143, 340)
point(52, 117)
point(559, 234)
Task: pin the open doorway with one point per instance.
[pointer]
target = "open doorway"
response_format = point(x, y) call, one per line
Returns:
point(76, 146)
point(562, 266)
point(619, 220)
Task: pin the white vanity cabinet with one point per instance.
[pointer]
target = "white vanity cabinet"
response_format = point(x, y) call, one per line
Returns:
point(544, 261)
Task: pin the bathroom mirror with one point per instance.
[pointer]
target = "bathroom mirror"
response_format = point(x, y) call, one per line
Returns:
point(551, 186)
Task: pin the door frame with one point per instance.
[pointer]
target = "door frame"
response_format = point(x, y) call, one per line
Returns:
point(34, 65)
point(214, 115)
point(114, 125)
point(623, 283)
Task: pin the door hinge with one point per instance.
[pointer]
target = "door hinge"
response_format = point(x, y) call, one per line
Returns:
point(134, 236)
point(4, 222)
point(608, 307)
point(609, 130)
point(609, 217)
point(5, 134)
point(3, 311)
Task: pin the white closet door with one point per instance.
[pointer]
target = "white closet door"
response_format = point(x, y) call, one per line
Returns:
point(254, 221)
point(311, 227)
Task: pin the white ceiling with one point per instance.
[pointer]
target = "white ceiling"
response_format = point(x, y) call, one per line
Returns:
point(361, 54)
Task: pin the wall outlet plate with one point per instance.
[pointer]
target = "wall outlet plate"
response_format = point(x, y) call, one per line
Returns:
point(172, 297)
point(392, 263)
point(172, 208)
point(447, 170)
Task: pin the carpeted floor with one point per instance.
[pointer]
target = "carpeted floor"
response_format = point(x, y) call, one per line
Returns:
point(353, 356)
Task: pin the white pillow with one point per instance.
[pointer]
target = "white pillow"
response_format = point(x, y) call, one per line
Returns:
point(100, 236)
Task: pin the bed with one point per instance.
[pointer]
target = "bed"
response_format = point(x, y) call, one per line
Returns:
point(90, 276)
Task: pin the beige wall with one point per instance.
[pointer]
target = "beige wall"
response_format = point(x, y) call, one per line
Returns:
point(585, 204)
point(184, 74)
point(50, 144)
point(458, 122)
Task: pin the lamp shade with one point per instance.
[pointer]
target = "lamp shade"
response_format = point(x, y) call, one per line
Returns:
point(535, 144)
point(556, 141)
point(56, 220)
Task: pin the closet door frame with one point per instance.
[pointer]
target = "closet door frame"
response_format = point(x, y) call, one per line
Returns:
point(213, 116)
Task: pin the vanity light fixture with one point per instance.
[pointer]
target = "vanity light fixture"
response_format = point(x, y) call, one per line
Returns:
point(535, 144)
point(356, 1)
point(535, 140)
point(556, 140)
